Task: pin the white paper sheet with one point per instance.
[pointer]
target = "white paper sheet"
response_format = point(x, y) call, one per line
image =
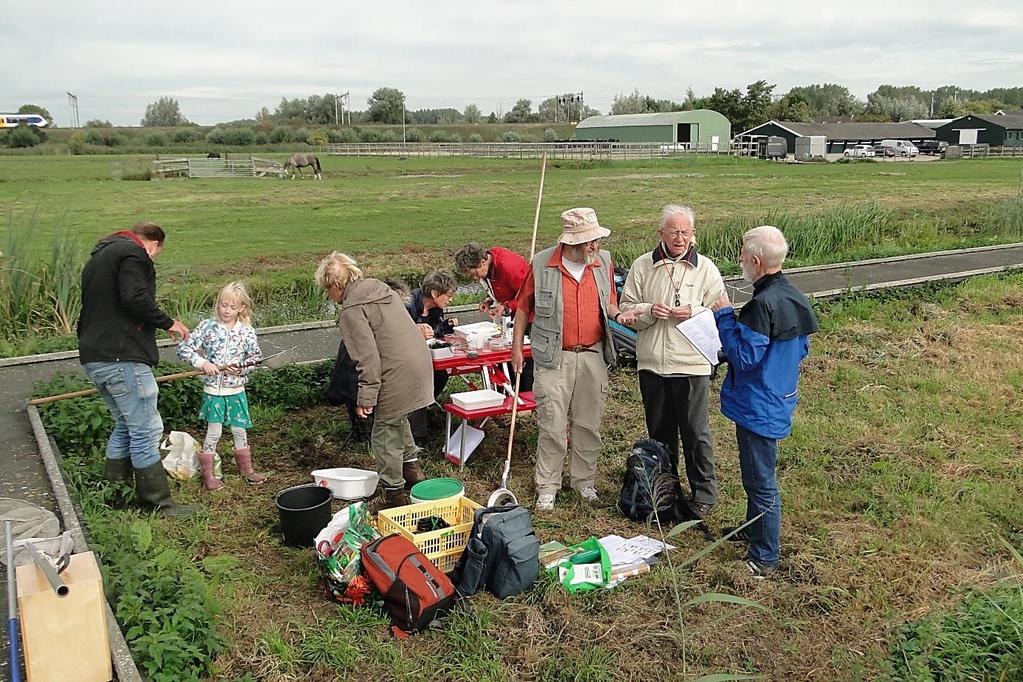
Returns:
point(623, 552)
point(702, 332)
point(473, 437)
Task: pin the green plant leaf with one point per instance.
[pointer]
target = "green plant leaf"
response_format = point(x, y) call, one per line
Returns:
point(725, 598)
point(724, 677)
point(717, 543)
point(684, 526)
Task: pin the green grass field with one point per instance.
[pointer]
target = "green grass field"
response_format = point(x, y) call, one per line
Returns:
point(417, 210)
point(402, 218)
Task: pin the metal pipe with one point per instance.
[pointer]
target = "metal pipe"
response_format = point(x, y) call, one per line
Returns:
point(58, 585)
point(13, 643)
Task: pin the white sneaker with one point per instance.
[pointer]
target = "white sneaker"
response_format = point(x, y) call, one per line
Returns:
point(545, 502)
point(589, 494)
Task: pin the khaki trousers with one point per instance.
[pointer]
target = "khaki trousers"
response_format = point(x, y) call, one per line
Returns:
point(569, 408)
point(392, 444)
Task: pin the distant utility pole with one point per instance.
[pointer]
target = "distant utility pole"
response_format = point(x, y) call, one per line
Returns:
point(341, 101)
point(403, 120)
point(73, 101)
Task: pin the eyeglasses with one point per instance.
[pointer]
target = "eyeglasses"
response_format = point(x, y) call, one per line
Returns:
point(676, 235)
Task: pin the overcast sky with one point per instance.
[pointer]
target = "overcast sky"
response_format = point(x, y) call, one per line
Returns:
point(224, 60)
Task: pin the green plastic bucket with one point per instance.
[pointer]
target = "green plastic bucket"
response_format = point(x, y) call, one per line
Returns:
point(435, 489)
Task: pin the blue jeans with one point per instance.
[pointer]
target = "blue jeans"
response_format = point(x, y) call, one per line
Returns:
point(757, 458)
point(130, 391)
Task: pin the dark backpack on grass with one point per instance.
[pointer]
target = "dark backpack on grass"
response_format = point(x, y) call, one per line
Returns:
point(415, 591)
point(502, 554)
point(650, 484)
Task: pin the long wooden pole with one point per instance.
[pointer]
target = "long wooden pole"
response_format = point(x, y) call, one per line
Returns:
point(92, 391)
point(518, 374)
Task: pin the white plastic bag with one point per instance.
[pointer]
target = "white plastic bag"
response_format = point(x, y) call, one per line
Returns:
point(182, 459)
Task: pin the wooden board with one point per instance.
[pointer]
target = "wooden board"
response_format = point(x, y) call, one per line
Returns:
point(64, 638)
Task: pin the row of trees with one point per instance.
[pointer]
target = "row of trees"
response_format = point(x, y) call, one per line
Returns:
point(745, 109)
point(829, 100)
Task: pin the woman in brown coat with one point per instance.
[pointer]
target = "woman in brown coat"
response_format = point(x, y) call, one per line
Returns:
point(394, 366)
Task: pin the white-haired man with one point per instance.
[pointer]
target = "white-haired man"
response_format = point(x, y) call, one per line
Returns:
point(765, 345)
point(664, 287)
point(569, 295)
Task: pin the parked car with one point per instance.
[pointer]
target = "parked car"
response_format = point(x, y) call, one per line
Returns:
point(899, 148)
point(859, 151)
point(933, 147)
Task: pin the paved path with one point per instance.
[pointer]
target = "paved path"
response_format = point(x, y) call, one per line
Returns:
point(22, 474)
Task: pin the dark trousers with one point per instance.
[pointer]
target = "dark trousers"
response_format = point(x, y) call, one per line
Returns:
point(677, 406)
point(417, 419)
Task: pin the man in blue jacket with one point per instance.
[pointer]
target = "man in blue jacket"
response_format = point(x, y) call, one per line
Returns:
point(765, 345)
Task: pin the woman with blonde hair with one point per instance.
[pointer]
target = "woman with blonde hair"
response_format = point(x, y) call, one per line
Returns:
point(394, 368)
point(225, 348)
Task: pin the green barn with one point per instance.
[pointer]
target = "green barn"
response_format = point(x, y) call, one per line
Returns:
point(708, 129)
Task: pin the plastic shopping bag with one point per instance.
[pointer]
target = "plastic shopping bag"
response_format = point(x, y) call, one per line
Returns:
point(587, 568)
point(182, 459)
point(338, 555)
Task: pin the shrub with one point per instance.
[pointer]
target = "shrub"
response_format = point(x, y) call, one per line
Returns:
point(23, 136)
point(476, 138)
point(240, 136)
point(440, 136)
point(261, 137)
point(104, 137)
point(317, 138)
point(155, 140)
point(343, 136)
point(511, 136)
point(280, 135)
point(550, 135)
point(76, 144)
point(300, 135)
point(454, 137)
point(97, 123)
point(413, 135)
point(389, 136)
point(184, 136)
point(370, 135)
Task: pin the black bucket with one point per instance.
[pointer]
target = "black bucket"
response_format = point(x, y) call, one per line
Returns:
point(304, 511)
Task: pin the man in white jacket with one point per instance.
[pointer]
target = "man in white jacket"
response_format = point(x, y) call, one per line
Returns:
point(664, 287)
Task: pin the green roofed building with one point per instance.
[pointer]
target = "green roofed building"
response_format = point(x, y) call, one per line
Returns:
point(704, 127)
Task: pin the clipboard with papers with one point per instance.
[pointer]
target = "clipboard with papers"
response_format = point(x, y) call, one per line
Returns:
point(702, 331)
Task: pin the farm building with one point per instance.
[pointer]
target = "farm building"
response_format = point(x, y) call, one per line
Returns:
point(707, 128)
point(997, 130)
point(842, 135)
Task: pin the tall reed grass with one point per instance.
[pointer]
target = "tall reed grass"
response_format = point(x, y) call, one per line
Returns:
point(38, 297)
point(813, 238)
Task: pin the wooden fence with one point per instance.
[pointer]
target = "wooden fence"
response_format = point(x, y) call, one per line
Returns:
point(251, 167)
point(526, 150)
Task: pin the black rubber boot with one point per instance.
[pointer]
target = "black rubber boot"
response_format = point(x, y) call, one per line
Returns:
point(118, 470)
point(153, 493)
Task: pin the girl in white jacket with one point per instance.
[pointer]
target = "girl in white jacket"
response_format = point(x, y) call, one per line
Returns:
point(226, 350)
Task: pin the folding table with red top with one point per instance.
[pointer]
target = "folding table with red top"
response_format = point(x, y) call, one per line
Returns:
point(488, 364)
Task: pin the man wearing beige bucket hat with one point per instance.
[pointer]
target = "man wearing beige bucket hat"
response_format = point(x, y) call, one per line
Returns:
point(568, 295)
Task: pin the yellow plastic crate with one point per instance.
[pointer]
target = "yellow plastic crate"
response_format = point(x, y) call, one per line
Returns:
point(443, 547)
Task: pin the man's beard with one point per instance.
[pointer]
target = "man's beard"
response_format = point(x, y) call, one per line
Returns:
point(747, 273)
point(582, 256)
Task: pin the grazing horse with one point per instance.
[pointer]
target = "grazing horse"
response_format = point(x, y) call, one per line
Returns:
point(298, 161)
point(213, 155)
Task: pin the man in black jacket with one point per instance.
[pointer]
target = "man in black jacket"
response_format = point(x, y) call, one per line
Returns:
point(117, 349)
